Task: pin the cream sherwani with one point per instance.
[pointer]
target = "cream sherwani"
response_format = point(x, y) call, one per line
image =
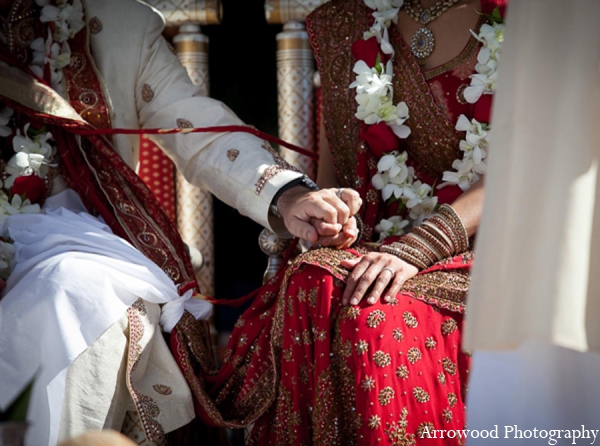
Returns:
point(83, 311)
point(534, 302)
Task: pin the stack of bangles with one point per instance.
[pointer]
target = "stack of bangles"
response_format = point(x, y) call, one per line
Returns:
point(440, 236)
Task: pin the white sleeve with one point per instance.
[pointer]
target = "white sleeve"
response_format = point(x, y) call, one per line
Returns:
point(239, 168)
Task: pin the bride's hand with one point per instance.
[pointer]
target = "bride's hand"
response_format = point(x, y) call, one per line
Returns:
point(384, 272)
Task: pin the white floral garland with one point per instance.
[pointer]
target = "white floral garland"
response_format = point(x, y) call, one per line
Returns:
point(35, 151)
point(374, 90)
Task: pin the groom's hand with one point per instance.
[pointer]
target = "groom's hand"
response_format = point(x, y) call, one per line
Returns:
point(321, 214)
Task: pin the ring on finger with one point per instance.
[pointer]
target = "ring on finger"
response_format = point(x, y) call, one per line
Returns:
point(388, 269)
point(339, 193)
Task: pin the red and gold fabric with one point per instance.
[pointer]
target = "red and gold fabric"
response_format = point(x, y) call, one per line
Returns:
point(307, 370)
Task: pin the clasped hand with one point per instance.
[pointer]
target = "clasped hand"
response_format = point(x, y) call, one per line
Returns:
point(325, 218)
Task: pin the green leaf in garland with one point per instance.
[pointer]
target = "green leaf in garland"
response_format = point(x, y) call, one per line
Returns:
point(494, 17)
point(378, 65)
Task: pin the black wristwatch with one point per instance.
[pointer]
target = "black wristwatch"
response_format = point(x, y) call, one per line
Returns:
point(303, 180)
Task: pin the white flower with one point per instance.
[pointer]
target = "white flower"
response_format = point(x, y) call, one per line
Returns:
point(423, 210)
point(5, 116)
point(464, 176)
point(49, 52)
point(67, 18)
point(419, 191)
point(17, 206)
point(393, 226)
point(32, 156)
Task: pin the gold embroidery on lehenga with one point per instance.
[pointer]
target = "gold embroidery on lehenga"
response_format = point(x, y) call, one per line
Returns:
point(430, 343)
point(382, 359)
point(442, 378)
point(362, 347)
point(449, 366)
point(414, 354)
point(386, 395)
point(402, 372)
point(410, 320)
point(374, 421)
point(452, 399)
point(375, 318)
point(425, 429)
point(421, 395)
point(447, 414)
point(368, 383)
point(396, 432)
point(397, 334)
point(444, 288)
point(449, 326)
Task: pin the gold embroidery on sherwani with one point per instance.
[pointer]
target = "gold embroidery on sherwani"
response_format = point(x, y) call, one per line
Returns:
point(184, 124)
point(232, 154)
point(95, 25)
point(162, 389)
point(147, 93)
point(147, 408)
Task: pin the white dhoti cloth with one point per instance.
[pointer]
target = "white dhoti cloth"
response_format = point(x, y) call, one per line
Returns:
point(72, 280)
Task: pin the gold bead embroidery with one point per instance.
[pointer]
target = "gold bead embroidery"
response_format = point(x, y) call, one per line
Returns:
point(420, 395)
point(398, 335)
point(452, 399)
point(449, 326)
point(184, 124)
point(374, 421)
point(375, 318)
point(447, 414)
point(362, 347)
point(442, 378)
point(95, 25)
point(147, 93)
point(449, 366)
point(382, 359)
point(430, 343)
point(424, 429)
point(386, 395)
point(162, 389)
point(232, 154)
point(402, 372)
point(410, 320)
point(368, 383)
point(414, 354)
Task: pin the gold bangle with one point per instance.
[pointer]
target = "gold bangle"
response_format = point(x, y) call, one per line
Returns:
point(417, 242)
point(458, 225)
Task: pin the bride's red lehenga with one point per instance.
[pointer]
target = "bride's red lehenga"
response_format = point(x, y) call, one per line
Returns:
point(308, 370)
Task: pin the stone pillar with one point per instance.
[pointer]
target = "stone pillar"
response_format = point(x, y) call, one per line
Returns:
point(194, 205)
point(295, 70)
